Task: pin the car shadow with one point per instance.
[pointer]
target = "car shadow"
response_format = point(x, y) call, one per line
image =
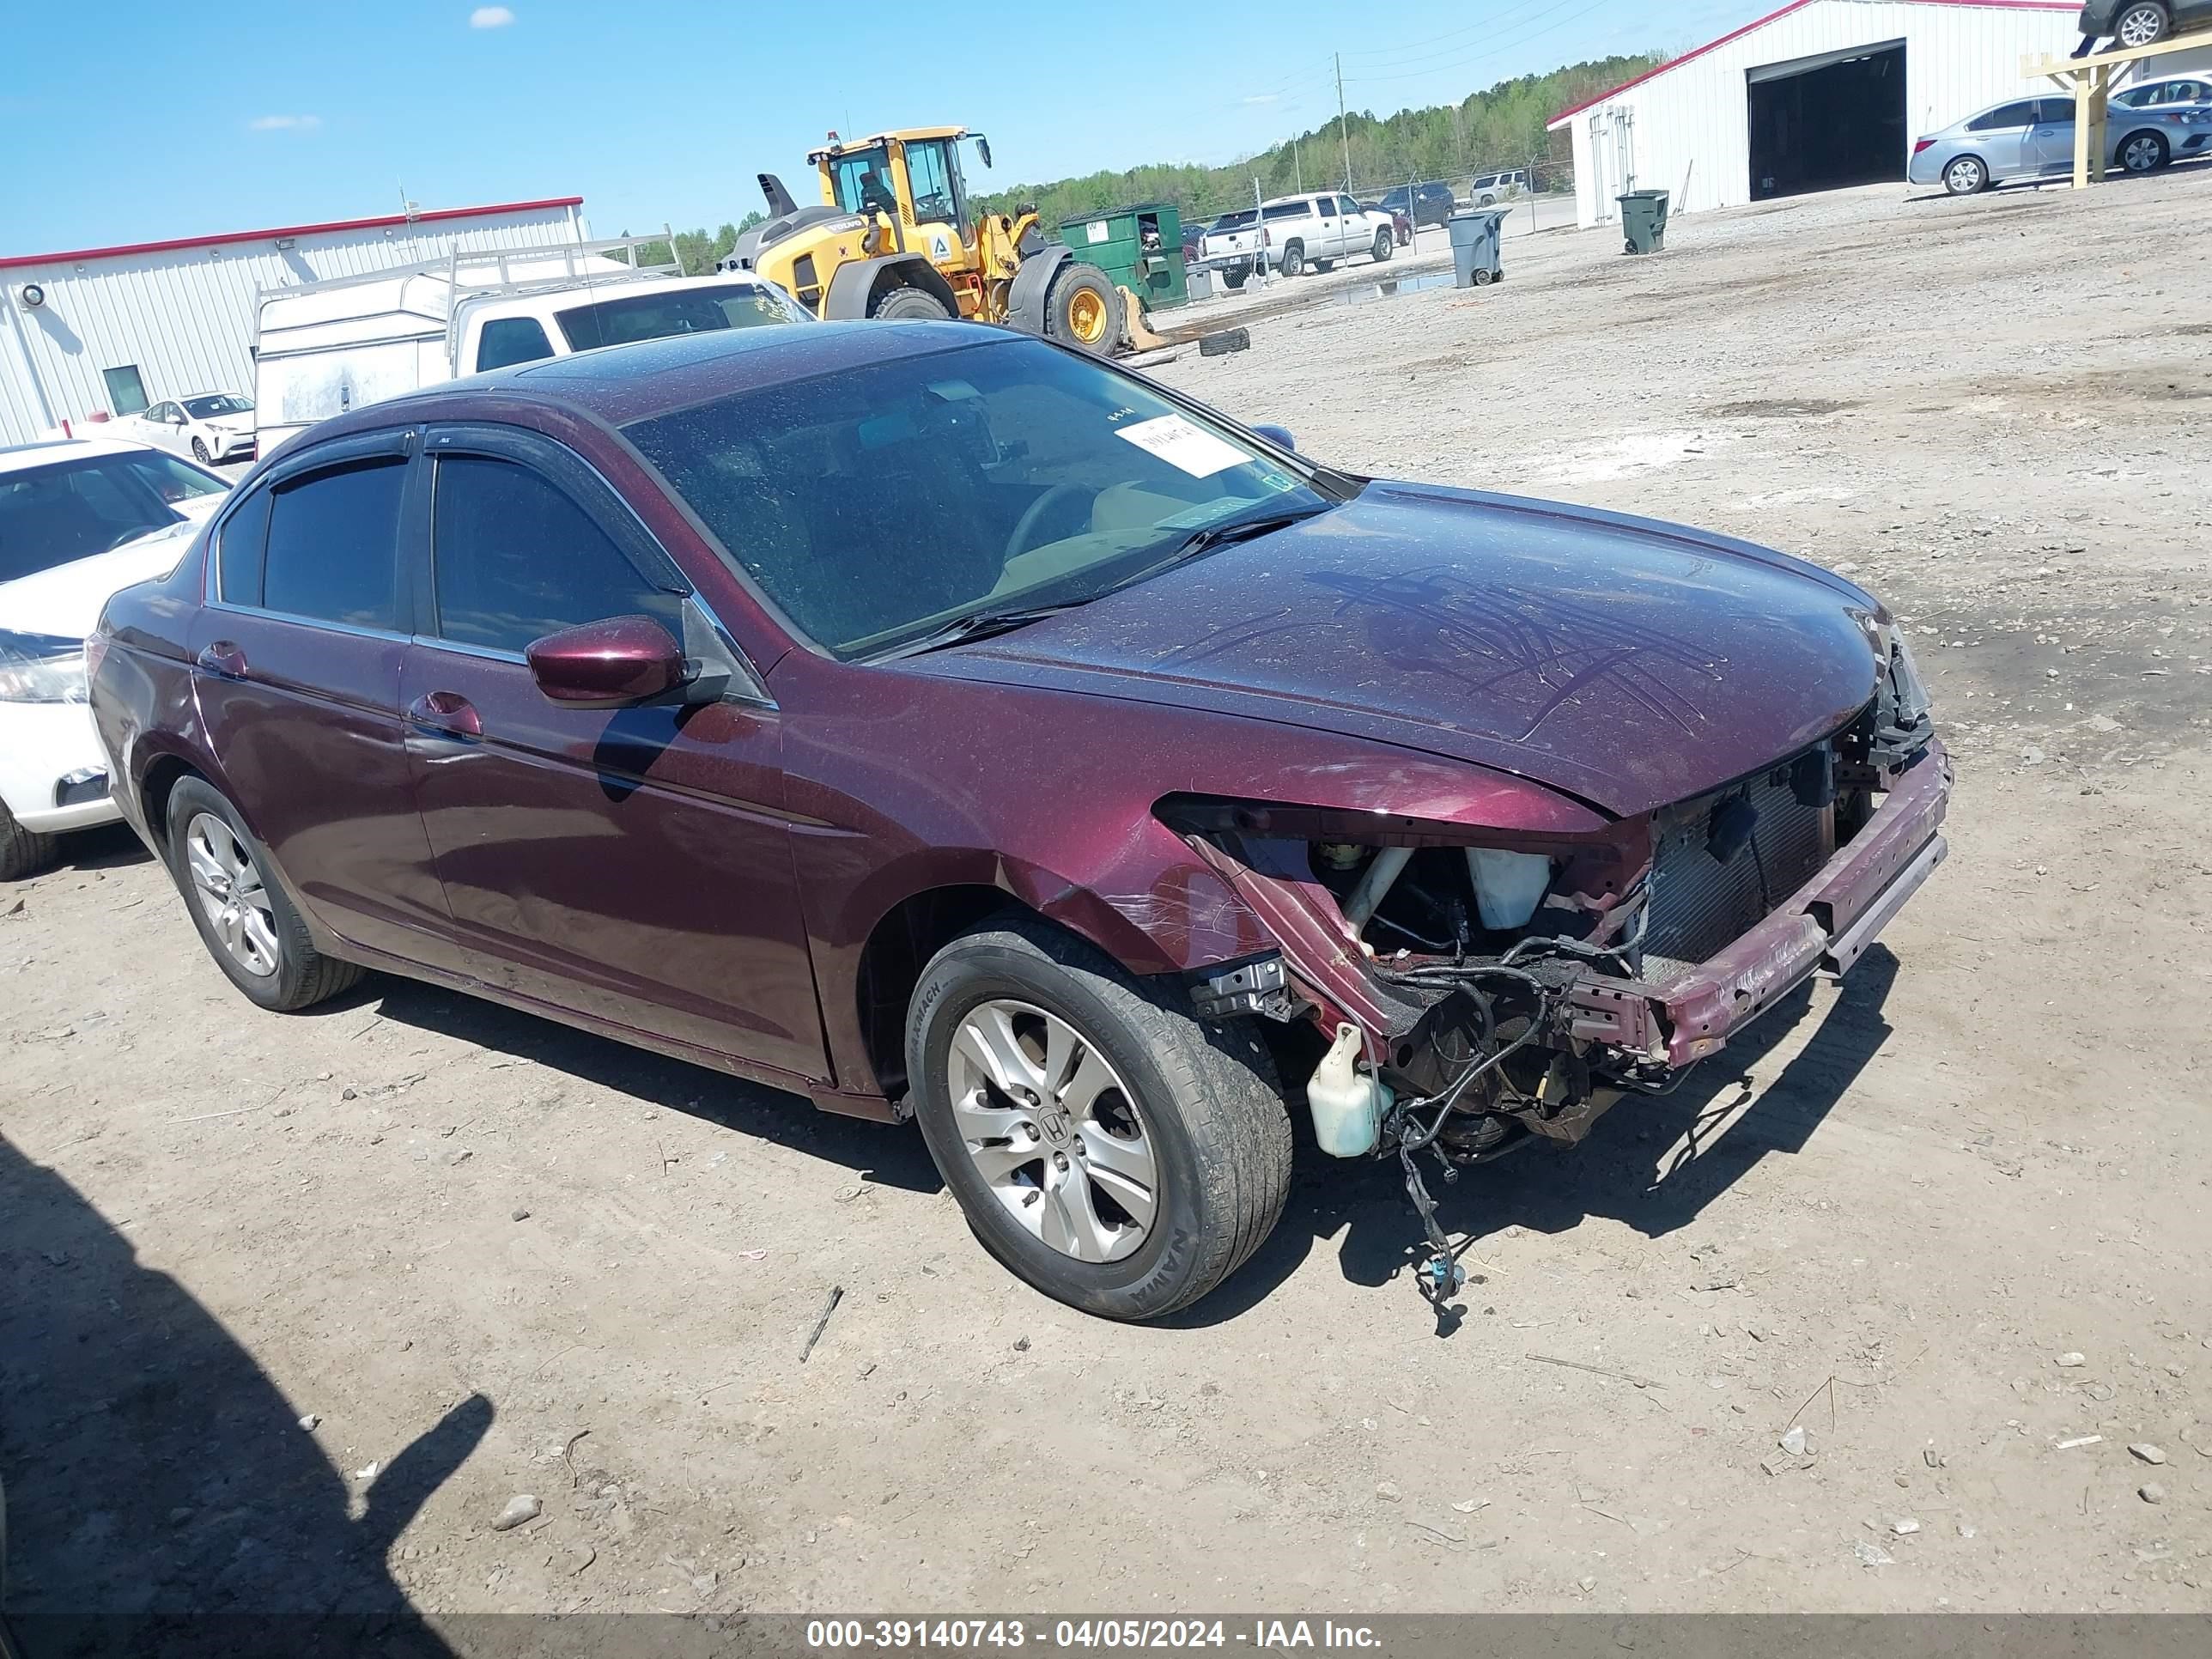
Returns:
point(892, 1154)
point(108, 847)
point(1653, 1163)
point(163, 1495)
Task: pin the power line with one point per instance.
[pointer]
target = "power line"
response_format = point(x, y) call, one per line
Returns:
point(1494, 50)
point(1412, 48)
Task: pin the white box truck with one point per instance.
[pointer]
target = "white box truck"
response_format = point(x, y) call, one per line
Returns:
point(322, 348)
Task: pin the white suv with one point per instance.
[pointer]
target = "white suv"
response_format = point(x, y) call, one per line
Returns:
point(1488, 188)
point(79, 519)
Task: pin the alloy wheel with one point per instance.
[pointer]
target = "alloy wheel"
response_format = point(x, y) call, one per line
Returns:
point(231, 894)
point(2140, 154)
point(2141, 25)
point(1052, 1130)
point(1963, 177)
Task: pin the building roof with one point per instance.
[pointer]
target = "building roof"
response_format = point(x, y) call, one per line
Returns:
point(14, 260)
point(1572, 110)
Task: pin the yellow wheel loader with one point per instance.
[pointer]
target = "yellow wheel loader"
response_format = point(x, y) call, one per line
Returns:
point(893, 236)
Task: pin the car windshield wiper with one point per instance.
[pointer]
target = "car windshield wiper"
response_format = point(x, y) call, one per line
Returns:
point(977, 625)
point(1205, 539)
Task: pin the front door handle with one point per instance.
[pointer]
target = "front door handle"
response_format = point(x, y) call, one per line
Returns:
point(223, 658)
point(448, 713)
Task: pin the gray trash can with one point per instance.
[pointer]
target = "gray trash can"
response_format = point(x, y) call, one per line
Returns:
point(1475, 247)
point(1643, 220)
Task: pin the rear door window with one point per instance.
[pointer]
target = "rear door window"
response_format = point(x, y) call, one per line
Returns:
point(332, 546)
point(508, 340)
point(516, 558)
point(2004, 116)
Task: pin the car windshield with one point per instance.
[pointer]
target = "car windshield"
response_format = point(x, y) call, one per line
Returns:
point(220, 402)
point(51, 515)
point(877, 505)
point(673, 310)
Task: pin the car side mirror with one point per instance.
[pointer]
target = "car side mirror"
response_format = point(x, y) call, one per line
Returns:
point(608, 664)
point(1279, 436)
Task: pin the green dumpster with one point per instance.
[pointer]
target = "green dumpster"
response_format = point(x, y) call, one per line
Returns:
point(1644, 219)
point(1139, 248)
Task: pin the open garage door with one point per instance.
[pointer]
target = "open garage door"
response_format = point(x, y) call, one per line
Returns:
point(1823, 123)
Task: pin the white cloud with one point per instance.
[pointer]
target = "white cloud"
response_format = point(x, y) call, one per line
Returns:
point(490, 17)
point(285, 122)
point(1263, 97)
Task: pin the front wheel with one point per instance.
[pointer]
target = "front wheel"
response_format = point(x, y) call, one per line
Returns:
point(912, 305)
point(245, 920)
point(2144, 24)
point(1108, 1147)
point(200, 451)
point(1083, 308)
point(2143, 152)
point(1966, 175)
point(23, 852)
point(1385, 245)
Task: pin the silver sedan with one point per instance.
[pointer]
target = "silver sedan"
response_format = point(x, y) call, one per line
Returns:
point(2033, 138)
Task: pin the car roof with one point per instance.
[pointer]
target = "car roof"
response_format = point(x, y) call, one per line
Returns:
point(46, 451)
point(621, 384)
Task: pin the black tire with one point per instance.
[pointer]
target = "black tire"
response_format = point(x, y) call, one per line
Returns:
point(1489, 201)
point(200, 451)
point(1236, 279)
point(2144, 25)
point(1322, 267)
point(1084, 308)
point(1386, 243)
point(23, 852)
point(303, 975)
point(2143, 152)
point(911, 304)
point(1966, 175)
point(1628, 247)
point(1294, 260)
point(1483, 276)
point(1206, 1097)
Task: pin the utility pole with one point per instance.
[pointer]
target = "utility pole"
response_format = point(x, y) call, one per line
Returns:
point(1297, 168)
point(1343, 131)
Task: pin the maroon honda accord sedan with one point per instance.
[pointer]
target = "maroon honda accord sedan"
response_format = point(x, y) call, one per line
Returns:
point(944, 725)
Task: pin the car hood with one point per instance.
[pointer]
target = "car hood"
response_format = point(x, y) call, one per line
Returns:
point(66, 600)
point(1623, 661)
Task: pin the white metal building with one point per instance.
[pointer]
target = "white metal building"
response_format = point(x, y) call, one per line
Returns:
point(1820, 94)
point(114, 328)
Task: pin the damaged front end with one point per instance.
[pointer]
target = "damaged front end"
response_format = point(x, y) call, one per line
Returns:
point(1483, 989)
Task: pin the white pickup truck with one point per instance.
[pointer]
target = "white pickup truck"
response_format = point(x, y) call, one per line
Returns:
point(322, 348)
point(1293, 232)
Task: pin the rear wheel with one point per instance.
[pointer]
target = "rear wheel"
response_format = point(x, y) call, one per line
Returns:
point(913, 304)
point(1236, 279)
point(1082, 308)
point(1324, 266)
point(1109, 1148)
point(1294, 260)
point(2144, 24)
point(248, 924)
point(1385, 245)
point(2143, 152)
point(1965, 174)
point(23, 853)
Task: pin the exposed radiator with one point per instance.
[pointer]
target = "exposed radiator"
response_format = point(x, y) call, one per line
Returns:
point(1699, 903)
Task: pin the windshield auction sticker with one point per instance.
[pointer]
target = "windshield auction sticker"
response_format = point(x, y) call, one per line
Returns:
point(1180, 444)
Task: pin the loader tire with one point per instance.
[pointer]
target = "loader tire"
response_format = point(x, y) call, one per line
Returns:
point(1083, 308)
point(910, 305)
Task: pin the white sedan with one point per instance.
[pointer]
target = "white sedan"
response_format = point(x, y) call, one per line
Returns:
point(78, 521)
point(210, 427)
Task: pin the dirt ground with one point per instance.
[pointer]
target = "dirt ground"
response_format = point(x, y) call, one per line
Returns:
point(1950, 1219)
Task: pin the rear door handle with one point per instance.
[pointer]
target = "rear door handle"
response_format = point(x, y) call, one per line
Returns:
point(223, 658)
point(448, 713)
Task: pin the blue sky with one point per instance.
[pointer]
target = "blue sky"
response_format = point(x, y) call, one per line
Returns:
point(130, 120)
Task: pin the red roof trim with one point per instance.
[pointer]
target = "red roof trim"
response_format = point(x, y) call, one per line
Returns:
point(229, 236)
point(1761, 23)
